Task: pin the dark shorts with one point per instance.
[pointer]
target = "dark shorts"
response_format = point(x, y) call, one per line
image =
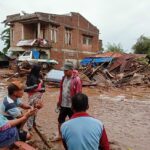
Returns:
point(64, 112)
point(22, 135)
point(8, 137)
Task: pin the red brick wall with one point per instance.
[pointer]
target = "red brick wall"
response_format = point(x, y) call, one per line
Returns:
point(47, 32)
point(79, 26)
point(60, 38)
point(95, 44)
point(29, 32)
point(17, 29)
point(61, 56)
point(58, 56)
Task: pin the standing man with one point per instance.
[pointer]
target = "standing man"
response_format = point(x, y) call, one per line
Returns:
point(83, 132)
point(70, 85)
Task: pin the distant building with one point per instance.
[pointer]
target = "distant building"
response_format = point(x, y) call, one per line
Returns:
point(67, 37)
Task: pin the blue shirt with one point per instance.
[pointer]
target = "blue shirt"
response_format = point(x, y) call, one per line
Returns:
point(82, 133)
point(3, 120)
point(10, 108)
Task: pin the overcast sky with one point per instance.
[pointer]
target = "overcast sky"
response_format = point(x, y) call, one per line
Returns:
point(119, 21)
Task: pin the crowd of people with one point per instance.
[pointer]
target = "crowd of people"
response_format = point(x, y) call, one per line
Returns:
point(80, 132)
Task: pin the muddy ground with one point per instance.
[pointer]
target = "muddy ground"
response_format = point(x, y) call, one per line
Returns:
point(125, 113)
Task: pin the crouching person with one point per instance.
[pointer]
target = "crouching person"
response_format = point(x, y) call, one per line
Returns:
point(10, 107)
point(9, 132)
point(83, 132)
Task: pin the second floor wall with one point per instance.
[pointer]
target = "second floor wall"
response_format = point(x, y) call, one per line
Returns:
point(59, 36)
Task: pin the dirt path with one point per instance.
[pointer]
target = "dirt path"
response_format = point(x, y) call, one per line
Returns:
point(127, 121)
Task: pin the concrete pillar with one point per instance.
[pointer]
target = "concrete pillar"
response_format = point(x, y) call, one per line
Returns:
point(22, 34)
point(38, 30)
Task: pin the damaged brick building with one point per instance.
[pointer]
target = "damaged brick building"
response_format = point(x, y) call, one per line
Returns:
point(67, 37)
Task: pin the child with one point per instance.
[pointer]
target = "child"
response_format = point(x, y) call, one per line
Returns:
point(10, 107)
point(8, 131)
point(35, 89)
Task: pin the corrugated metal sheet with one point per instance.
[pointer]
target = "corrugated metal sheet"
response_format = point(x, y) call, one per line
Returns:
point(117, 55)
point(54, 75)
point(125, 62)
point(26, 42)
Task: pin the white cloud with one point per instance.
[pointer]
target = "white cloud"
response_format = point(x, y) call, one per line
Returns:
point(119, 21)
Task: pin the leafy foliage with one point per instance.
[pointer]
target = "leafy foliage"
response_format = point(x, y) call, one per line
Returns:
point(114, 48)
point(142, 46)
point(5, 37)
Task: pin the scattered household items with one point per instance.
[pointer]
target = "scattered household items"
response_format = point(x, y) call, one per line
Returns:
point(107, 69)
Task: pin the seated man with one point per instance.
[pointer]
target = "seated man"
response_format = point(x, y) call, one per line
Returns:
point(82, 132)
point(8, 130)
point(10, 107)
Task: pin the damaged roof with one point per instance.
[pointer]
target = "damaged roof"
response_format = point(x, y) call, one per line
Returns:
point(109, 54)
point(117, 55)
point(34, 17)
point(56, 19)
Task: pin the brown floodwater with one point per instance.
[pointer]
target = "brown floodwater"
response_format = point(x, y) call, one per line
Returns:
point(124, 112)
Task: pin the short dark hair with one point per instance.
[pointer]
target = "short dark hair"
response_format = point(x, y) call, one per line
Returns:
point(80, 102)
point(12, 88)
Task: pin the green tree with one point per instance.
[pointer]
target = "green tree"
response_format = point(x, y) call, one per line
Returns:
point(142, 46)
point(5, 37)
point(114, 48)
